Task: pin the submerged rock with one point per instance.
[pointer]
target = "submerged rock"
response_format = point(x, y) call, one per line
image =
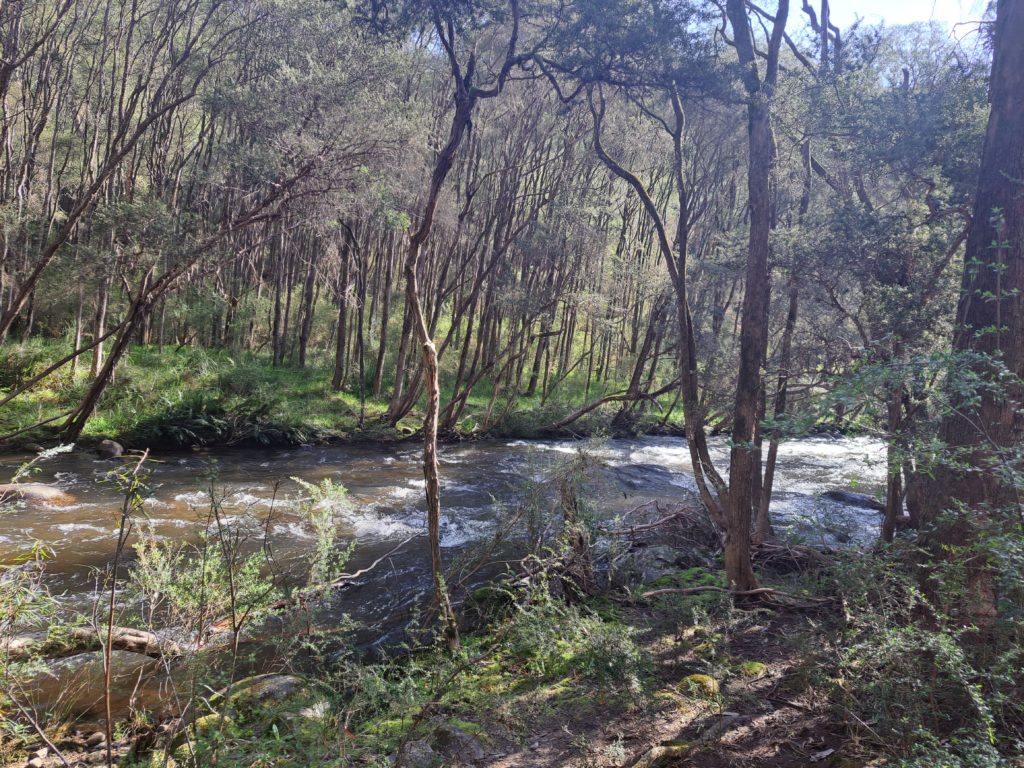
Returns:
point(854, 499)
point(109, 449)
point(34, 492)
point(647, 478)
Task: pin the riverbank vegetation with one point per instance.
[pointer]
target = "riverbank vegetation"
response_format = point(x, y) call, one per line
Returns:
point(260, 223)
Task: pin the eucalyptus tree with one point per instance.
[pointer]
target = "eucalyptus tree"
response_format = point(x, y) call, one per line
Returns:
point(891, 193)
point(655, 61)
point(983, 428)
point(483, 43)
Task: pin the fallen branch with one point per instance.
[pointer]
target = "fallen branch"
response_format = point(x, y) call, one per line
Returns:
point(798, 602)
point(699, 590)
point(647, 526)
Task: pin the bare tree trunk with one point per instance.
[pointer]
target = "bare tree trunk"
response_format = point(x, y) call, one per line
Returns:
point(754, 318)
point(763, 529)
point(99, 323)
point(338, 381)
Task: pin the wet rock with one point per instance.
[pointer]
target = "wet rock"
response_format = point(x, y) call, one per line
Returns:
point(457, 745)
point(417, 754)
point(32, 447)
point(34, 492)
point(109, 449)
point(854, 499)
point(95, 739)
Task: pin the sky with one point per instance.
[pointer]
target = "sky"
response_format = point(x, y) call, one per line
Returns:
point(951, 12)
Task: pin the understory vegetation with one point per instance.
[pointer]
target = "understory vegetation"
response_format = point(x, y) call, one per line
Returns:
point(194, 397)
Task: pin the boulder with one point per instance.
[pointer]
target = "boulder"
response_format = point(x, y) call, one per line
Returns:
point(654, 562)
point(261, 690)
point(457, 745)
point(416, 754)
point(854, 499)
point(34, 493)
point(109, 449)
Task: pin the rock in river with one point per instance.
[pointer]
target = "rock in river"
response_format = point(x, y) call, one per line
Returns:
point(854, 499)
point(109, 449)
point(34, 492)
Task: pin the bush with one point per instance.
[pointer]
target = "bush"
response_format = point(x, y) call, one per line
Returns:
point(556, 640)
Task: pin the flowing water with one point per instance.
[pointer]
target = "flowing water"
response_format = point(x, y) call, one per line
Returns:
point(481, 483)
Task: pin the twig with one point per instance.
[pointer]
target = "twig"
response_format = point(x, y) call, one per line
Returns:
point(646, 527)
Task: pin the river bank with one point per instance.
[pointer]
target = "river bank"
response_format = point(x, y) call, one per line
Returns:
point(639, 674)
point(192, 397)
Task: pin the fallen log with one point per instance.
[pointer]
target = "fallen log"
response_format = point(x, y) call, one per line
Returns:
point(83, 639)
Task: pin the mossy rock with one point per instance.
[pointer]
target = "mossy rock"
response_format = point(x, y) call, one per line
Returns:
point(691, 577)
point(261, 695)
point(753, 668)
point(487, 605)
point(703, 684)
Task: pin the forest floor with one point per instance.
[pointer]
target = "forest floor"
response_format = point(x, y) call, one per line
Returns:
point(758, 718)
point(757, 709)
point(715, 695)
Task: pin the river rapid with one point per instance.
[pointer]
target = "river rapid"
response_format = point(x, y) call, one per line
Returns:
point(482, 483)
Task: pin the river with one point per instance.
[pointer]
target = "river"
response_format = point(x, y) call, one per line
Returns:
point(483, 481)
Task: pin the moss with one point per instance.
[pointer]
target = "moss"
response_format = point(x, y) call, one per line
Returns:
point(702, 684)
point(753, 668)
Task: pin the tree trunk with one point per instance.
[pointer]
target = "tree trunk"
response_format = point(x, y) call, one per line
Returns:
point(990, 321)
point(754, 318)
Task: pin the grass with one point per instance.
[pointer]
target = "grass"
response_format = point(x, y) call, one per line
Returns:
point(193, 396)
